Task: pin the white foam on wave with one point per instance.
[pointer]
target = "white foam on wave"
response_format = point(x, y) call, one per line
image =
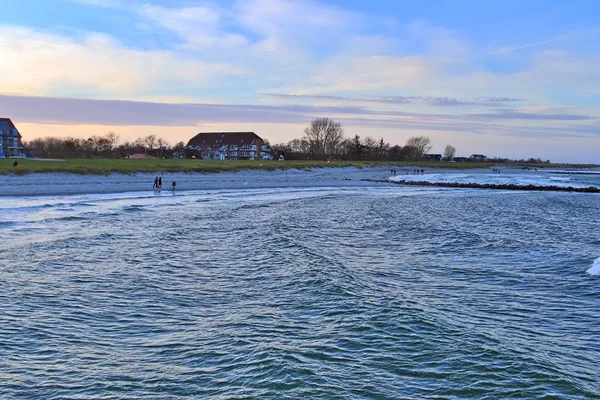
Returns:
point(595, 268)
point(506, 178)
point(572, 171)
point(560, 179)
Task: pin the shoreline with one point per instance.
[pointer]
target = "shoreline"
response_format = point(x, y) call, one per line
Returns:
point(64, 183)
point(56, 184)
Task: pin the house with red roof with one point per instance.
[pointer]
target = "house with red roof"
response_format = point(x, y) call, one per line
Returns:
point(230, 146)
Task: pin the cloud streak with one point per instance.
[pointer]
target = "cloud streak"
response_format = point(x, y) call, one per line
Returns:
point(65, 111)
point(411, 100)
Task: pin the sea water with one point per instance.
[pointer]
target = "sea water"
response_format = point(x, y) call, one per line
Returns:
point(353, 293)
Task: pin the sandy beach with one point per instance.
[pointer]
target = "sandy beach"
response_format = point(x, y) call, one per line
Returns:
point(67, 183)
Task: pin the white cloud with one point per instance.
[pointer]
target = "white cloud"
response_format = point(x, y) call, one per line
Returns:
point(39, 63)
point(296, 18)
point(199, 26)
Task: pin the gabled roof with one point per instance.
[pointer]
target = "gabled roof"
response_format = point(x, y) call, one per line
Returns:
point(218, 139)
point(6, 122)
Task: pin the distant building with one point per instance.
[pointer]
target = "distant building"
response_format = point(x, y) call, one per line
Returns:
point(230, 146)
point(10, 139)
point(478, 157)
point(432, 157)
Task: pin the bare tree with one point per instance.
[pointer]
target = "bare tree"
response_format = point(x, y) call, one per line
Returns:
point(179, 146)
point(324, 136)
point(301, 146)
point(113, 139)
point(449, 152)
point(150, 141)
point(140, 144)
point(418, 145)
point(160, 142)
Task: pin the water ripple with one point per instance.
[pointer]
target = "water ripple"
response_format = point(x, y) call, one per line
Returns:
point(346, 293)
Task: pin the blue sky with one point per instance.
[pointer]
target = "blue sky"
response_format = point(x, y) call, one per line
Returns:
point(514, 79)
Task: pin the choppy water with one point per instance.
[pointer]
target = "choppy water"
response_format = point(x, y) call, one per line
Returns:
point(507, 176)
point(381, 292)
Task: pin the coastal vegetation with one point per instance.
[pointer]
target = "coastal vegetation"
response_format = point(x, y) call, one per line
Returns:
point(130, 166)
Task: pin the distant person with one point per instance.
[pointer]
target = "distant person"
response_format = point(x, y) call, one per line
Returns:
point(15, 163)
point(160, 181)
point(155, 186)
point(173, 186)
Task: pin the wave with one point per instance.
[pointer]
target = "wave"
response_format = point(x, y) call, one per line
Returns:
point(595, 268)
point(7, 224)
point(134, 208)
point(494, 179)
point(560, 179)
point(70, 218)
point(572, 172)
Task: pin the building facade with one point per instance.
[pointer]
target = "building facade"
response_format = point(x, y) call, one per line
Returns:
point(230, 146)
point(478, 157)
point(10, 139)
point(432, 157)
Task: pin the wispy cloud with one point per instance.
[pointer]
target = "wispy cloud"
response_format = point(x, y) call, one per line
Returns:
point(523, 115)
point(414, 100)
point(48, 110)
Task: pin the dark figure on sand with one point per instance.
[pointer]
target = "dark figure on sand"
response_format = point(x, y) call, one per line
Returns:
point(173, 186)
point(160, 182)
point(155, 186)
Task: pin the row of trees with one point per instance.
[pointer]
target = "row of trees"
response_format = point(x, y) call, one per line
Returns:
point(324, 139)
point(107, 146)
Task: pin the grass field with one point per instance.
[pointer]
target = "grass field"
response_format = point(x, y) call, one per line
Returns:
point(125, 166)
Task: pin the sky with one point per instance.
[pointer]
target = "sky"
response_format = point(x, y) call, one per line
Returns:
point(513, 79)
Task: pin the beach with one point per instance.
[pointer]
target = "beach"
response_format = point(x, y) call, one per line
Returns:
point(69, 183)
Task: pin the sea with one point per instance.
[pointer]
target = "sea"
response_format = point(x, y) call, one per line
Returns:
point(371, 291)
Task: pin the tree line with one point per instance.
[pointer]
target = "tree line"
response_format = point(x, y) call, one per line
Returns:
point(106, 146)
point(324, 139)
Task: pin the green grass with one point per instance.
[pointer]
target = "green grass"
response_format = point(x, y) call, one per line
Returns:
point(124, 166)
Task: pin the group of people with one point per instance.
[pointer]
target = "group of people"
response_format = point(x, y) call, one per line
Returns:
point(415, 172)
point(158, 183)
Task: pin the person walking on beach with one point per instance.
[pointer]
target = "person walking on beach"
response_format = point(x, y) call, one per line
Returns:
point(173, 186)
point(160, 182)
point(155, 186)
